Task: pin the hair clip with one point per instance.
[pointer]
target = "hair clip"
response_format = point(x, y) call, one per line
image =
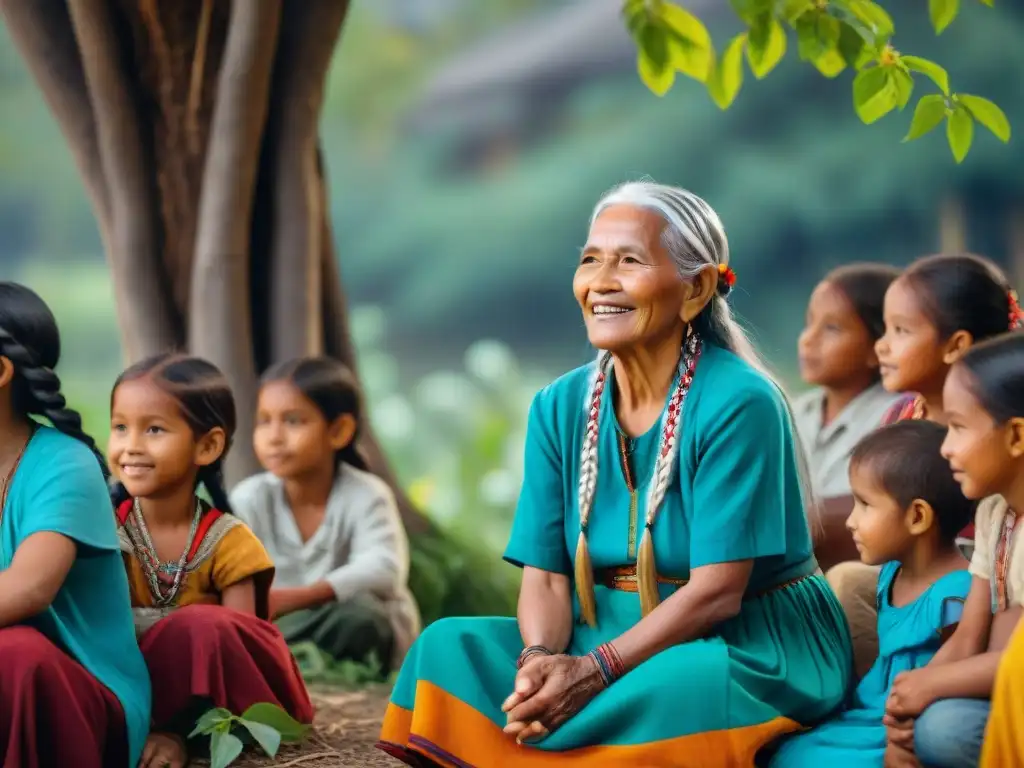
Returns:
point(726, 279)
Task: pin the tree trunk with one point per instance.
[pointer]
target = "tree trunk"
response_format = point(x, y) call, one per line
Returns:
point(194, 126)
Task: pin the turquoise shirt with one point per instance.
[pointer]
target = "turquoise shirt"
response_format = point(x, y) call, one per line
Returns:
point(58, 488)
point(736, 493)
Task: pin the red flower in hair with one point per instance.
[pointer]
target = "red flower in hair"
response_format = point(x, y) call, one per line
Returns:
point(727, 275)
point(1016, 313)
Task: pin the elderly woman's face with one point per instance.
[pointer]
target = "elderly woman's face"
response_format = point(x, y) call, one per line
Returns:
point(627, 286)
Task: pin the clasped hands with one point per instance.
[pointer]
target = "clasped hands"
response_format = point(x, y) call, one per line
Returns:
point(911, 693)
point(548, 691)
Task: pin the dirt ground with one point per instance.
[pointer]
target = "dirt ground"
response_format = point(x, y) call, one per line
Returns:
point(346, 728)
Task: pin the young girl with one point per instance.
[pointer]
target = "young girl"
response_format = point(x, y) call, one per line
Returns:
point(983, 399)
point(331, 526)
point(837, 356)
point(199, 578)
point(934, 312)
point(907, 513)
point(73, 685)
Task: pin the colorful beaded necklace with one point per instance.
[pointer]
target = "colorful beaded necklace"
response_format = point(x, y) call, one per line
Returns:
point(165, 579)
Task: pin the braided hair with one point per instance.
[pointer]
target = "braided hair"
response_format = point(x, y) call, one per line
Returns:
point(332, 388)
point(206, 402)
point(29, 338)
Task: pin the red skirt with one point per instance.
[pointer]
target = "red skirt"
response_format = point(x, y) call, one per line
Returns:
point(52, 711)
point(223, 656)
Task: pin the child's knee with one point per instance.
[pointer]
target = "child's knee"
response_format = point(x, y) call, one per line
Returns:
point(948, 734)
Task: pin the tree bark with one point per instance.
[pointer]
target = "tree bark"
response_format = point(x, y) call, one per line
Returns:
point(145, 312)
point(209, 191)
point(220, 327)
point(308, 38)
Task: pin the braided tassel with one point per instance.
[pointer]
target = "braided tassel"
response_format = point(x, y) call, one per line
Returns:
point(647, 573)
point(585, 581)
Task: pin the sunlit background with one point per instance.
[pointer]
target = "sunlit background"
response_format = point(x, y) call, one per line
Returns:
point(466, 142)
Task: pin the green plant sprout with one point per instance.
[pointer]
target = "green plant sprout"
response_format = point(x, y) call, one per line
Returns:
point(265, 724)
point(832, 35)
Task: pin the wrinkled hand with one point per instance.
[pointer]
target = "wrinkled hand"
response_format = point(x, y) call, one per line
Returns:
point(899, 732)
point(911, 693)
point(548, 691)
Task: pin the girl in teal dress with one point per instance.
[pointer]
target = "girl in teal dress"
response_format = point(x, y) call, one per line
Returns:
point(671, 612)
point(908, 511)
point(74, 690)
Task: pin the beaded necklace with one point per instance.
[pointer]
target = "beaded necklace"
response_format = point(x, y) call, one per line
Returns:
point(164, 579)
point(663, 463)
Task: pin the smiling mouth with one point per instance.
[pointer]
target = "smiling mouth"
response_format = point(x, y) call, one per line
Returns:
point(135, 469)
point(609, 310)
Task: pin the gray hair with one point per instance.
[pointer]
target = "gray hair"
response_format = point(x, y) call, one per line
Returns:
point(694, 239)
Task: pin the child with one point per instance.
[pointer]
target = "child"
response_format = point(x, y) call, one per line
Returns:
point(331, 526)
point(907, 513)
point(983, 398)
point(934, 312)
point(837, 356)
point(199, 578)
point(73, 685)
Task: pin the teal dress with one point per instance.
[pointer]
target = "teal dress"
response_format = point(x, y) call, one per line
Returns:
point(784, 662)
point(908, 637)
point(58, 488)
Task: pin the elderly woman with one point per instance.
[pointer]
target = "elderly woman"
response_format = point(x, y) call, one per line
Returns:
point(671, 611)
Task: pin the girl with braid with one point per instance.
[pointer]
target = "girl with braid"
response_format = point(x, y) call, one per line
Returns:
point(199, 578)
point(671, 611)
point(73, 685)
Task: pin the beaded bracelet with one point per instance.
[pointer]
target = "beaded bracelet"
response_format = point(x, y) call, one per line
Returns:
point(531, 650)
point(609, 663)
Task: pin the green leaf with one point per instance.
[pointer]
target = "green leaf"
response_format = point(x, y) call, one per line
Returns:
point(653, 59)
point(904, 85)
point(766, 45)
point(750, 10)
point(874, 94)
point(266, 737)
point(794, 9)
point(727, 75)
point(210, 719)
point(809, 46)
point(224, 748)
point(635, 13)
point(272, 715)
point(989, 3)
point(960, 132)
point(830, 63)
point(874, 17)
point(988, 114)
point(689, 43)
point(943, 12)
point(928, 114)
point(852, 46)
point(929, 69)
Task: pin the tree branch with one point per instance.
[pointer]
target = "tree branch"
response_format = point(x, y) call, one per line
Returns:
point(309, 34)
point(220, 326)
point(338, 344)
point(145, 312)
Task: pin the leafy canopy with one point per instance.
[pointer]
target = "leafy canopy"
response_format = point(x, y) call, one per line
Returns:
point(832, 35)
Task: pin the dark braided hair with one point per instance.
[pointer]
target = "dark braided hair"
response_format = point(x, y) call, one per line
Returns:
point(332, 388)
point(29, 338)
point(206, 403)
